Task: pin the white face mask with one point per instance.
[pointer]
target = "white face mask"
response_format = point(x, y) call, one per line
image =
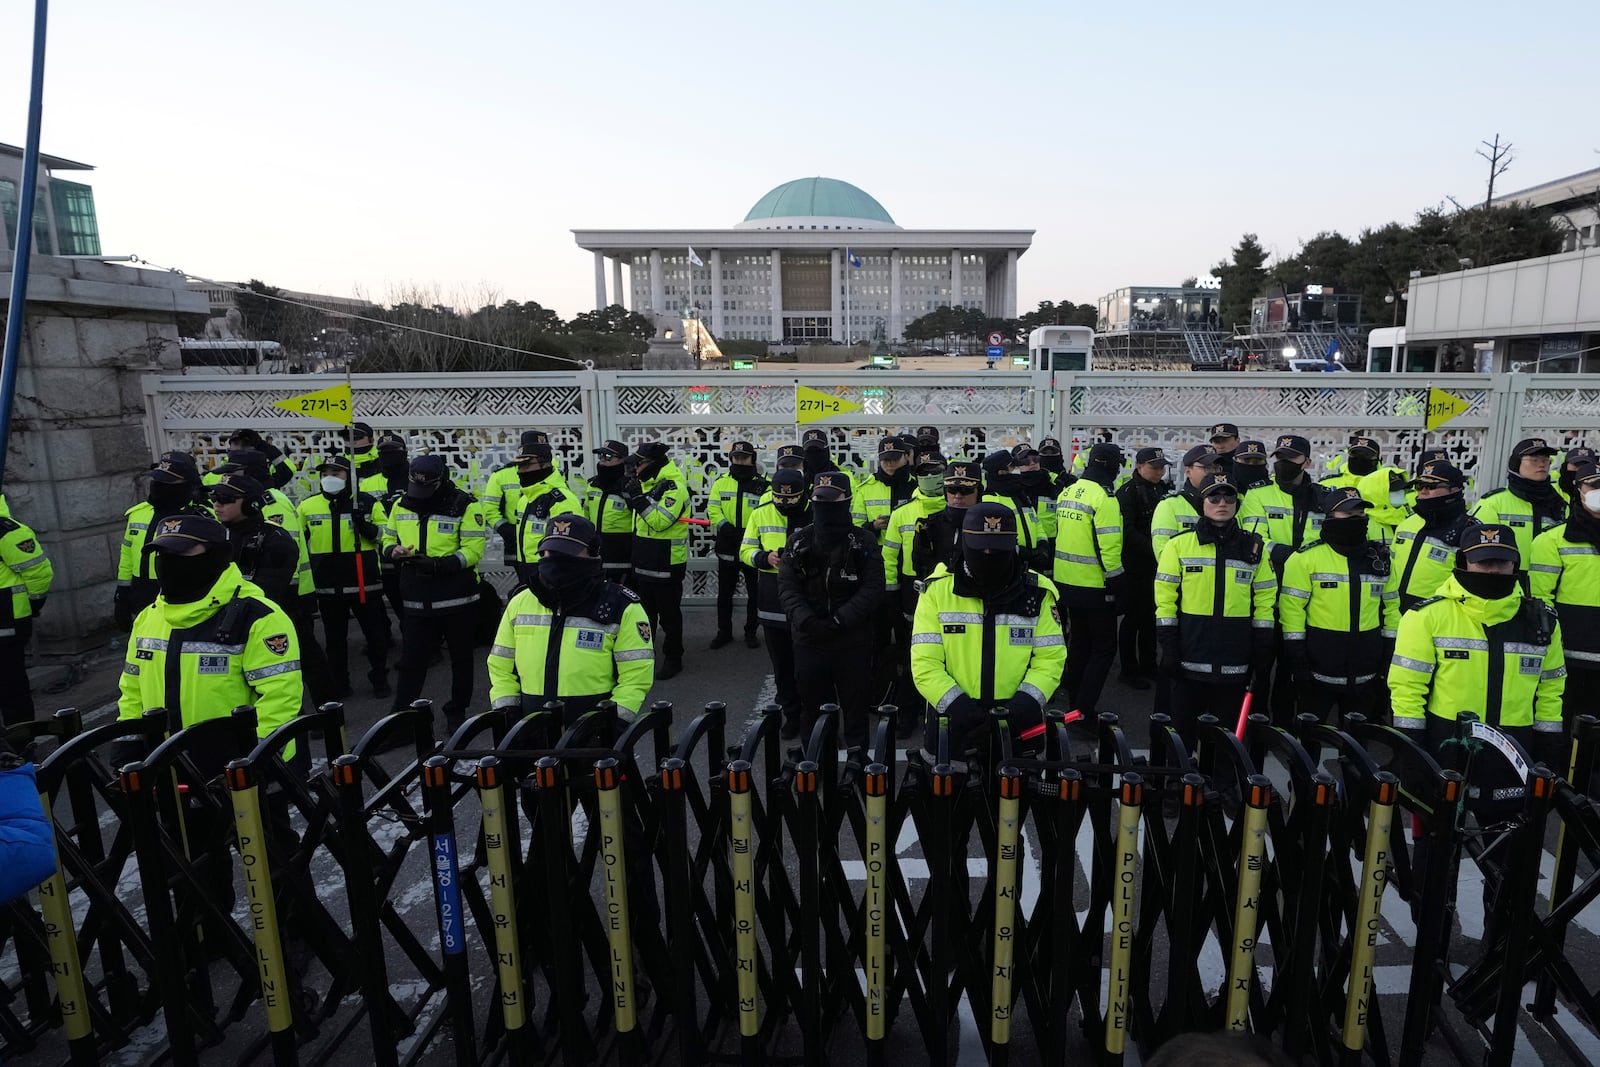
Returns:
point(1591, 500)
point(331, 484)
point(1397, 499)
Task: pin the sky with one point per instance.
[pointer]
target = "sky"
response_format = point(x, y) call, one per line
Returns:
point(405, 147)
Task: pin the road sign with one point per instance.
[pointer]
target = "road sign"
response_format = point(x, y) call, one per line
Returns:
point(332, 404)
point(997, 351)
point(744, 364)
point(810, 405)
point(1019, 361)
point(996, 339)
point(1442, 407)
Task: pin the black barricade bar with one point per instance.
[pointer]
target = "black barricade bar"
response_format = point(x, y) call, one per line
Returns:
point(624, 891)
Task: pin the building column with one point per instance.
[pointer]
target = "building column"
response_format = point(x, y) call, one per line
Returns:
point(955, 277)
point(836, 275)
point(896, 314)
point(1009, 309)
point(658, 285)
point(776, 333)
point(618, 294)
point(716, 292)
point(599, 281)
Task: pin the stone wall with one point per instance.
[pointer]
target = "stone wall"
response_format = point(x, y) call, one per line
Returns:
point(78, 445)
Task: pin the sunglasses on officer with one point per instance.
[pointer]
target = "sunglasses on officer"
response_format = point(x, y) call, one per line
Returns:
point(1222, 498)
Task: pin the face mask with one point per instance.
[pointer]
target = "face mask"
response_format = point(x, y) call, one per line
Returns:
point(185, 579)
point(606, 476)
point(393, 468)
point(1591, 500)
point(954, 514)
point(989, 571)
point(1053, 464)
point(422, 490)
point(1397, 499)
point(788, 507)
point(930, 484)
point(1004, 483)
point(564, 574)
point(1251, 474)
point(1362, 463)
point(1284, 470)
point(742, 472)
point(333, 486)
point(650, 468)
point(1566, 481)
point(527, 478)
point(1345, 532)
point(1487, 586)
point(1437, 510)
point(831, 515)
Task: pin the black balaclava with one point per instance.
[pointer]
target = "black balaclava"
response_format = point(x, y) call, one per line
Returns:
point(742, 472)
point(394, 466)
point(1251, 475)
point(1102, 473)
point(1487, 586)
point(816, 459)
point(1346, 533)
point(1437, 511)
point(1038, 482)
point(1361, 463)
point(170, 496)
point(649, 468)
point(569, 578)
point(1052, 464)
point(989, 571)
point(186, 579)
point(832, 520)
point(608, 477)
point(527, 478)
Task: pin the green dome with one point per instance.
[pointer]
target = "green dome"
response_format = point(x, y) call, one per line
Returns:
point(826, 198)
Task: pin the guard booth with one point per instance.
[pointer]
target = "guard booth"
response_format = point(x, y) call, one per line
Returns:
point(1054, 348)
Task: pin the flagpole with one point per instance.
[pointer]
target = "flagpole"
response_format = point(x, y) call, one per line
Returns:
point(847, 254)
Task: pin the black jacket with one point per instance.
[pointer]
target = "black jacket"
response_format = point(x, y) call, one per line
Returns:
point(827, 591)
point(268, 555)
point(1138, 499)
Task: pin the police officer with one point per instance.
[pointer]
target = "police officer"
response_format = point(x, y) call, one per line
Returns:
point(606, 508)
point(541, 494)
point(436, 535)
point(174, 490)
point(25, 577)
point(571, 635)
point(1425, 543)
point(278, 508)
point(1039, 485)
point(280, 471)
point(733, 497)
point(342, 537)
point(766, 533)
point(1250, 466)
point(387, 485)
point(814, 449)
point(265, 553)
point(936, 539)
point(1003, 485)
point(1360, 459)
point(1529, 503)
point(1565, 573)
point(1053, 463)
point(1481, 646)
point(363, 451)
point(1570, 464)
point(1285, 513)
point(1138, 498)
point(1214, 592)
point(498, 498)
point(830, 582)
point(901, 576)
point(211, 641)
point(891, 485)
point(1338, 615)
point(1088, 571)
point(987, 631)
point(1179, 512)
point(1225, 442)
point(657, 496)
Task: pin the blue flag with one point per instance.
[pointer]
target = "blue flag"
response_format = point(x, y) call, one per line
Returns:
point(853, 259)
point(1332, 349)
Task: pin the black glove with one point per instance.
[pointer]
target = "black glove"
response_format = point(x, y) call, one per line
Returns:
point(1551, 749)
point(419, 563)
point(633, 490)
point(922, 555)
point(508, 538)
point(447, 564)
point(965, 716)
point(1117, 585)
point(1042, 559)
point(122, 610)
point(37, 604)
point(1167, 651)
point(1280, 553)
point(1024, 712)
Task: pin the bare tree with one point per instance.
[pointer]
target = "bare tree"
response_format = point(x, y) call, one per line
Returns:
point(1499, 157)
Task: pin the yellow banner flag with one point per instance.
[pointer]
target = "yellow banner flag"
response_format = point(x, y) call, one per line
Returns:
point(1442, 407)
point(333, 404)
point(813, 404)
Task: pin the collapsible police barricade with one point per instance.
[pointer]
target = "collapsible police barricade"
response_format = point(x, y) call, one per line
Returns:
point(612, 891)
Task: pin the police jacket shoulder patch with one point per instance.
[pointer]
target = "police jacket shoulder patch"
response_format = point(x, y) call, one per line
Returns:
point(613, 601)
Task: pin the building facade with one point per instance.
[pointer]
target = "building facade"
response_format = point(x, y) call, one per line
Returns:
point(64, 222)
point(1574, 202)
point(815, 259)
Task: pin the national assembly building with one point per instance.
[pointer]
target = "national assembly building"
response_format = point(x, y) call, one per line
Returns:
point(814, 260)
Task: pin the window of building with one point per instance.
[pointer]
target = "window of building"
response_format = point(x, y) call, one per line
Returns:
point(42, 245)
point(77, 232)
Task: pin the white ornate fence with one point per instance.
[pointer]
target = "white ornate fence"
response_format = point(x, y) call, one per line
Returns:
point(474, 420)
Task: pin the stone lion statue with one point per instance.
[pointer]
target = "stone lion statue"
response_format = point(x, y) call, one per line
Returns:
point(229, 327)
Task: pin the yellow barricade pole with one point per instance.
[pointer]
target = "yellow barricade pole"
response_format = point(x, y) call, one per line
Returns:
point(1123, 890)
point(875, 906)
point(263, 908)
point(624, 997)
point(740, 826)
point(1247, 909)
point(503, 906)
point(1364, 937)
point(71, 995)
point(1005, 913)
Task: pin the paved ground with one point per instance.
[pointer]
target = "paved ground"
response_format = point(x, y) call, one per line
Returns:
point(741, 677)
